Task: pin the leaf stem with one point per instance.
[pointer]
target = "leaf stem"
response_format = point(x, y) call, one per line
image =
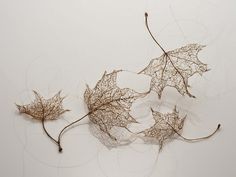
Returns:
point(43, 124)
point(47, 133)
point(147, 26)
point(196, 139)
point(66, 127)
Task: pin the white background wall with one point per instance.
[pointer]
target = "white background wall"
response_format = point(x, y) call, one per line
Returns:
point(50, 45)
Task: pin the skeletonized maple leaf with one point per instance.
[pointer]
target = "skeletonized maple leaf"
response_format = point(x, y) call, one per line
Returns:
point(174, 67)
point(44, 109)
point(109, 106)
point(165, 126)
point(168, 125)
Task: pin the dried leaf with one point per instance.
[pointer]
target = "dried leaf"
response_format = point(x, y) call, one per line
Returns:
point(174, 68)
point(165, 127)
point(44, 109)
point(109, 105)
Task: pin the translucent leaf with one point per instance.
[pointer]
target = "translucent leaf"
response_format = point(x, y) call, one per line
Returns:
point(109, 106)
point(40, 108)
point(174, 68)
point(165, 127)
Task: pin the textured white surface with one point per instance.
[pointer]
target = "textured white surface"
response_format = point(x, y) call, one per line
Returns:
point(50, 45)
